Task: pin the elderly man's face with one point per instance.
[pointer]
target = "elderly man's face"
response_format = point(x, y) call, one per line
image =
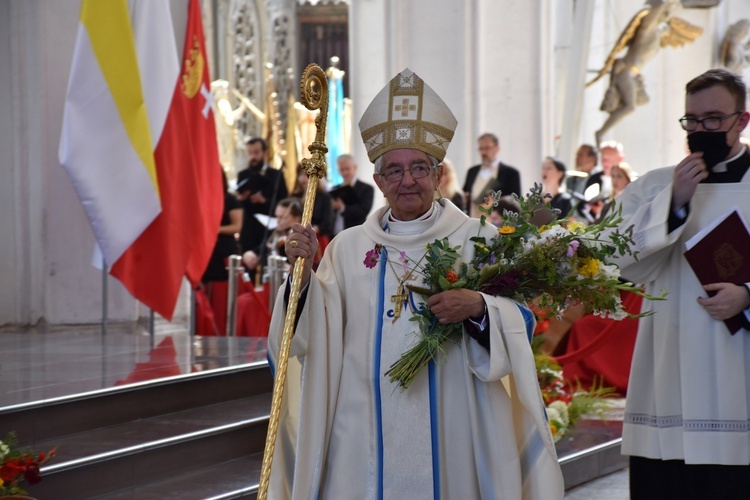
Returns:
point(610, 157)
point(409, 198)
point(347, 169)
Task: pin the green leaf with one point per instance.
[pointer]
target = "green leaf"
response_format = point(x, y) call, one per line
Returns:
point(420, 290)
point(444, 283)
point(461, 283)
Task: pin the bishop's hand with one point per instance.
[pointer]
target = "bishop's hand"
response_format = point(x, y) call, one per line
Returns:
point(455, 306)
point(302, 242)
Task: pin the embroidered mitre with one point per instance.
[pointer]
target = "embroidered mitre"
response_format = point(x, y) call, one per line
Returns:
point(407, 114)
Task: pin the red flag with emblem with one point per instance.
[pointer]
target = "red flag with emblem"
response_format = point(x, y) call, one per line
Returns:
point(180, 240)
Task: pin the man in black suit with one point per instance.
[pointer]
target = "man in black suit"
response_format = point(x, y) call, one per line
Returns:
point(259, 188)
point(352, 199)
point(490, 175)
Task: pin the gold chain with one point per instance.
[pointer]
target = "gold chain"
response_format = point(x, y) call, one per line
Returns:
point(400, 296)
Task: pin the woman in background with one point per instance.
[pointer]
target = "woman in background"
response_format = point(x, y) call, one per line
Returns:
point(622, 175)
point(212, 294)
point(553, 173)
point(448, 187)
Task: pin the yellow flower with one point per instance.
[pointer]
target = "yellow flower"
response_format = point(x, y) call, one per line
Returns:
point(553, 428)
point(589, 267)
point(545, 227)
point(576, 226)
point(506, 230)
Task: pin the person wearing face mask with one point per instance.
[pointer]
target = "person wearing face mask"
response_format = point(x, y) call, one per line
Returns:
point(687, 416)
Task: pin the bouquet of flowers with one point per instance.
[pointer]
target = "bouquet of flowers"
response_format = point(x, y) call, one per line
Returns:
point(535, 257)
point(17, 464)
point(565, 404)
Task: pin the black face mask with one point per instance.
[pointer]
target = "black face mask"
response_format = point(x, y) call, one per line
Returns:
point(713, 145)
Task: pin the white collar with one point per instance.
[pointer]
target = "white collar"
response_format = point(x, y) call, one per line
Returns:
point(722, 166)
point(417, 226)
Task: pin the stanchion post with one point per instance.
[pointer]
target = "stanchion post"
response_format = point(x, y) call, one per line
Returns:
point(235, 269)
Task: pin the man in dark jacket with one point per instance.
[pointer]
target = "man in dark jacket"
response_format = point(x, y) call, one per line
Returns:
point(352, 199)
point(490, 175)
point(259, 188)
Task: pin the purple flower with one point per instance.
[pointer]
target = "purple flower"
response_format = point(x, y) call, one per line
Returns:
point(572, 248)
point(503, 285)
point(402, 259)
point(372, 256)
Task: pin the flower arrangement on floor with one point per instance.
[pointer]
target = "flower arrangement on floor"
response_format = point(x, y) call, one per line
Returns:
point(566, 404)
point(535, 256)
point(17, 464)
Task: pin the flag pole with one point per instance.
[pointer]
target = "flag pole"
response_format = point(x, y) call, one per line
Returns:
point(314, 94)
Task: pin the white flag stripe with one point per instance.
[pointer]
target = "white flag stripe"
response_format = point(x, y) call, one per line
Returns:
point(158, 60)
point(109, 177)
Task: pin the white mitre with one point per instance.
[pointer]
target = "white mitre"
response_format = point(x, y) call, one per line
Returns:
point(407, 114)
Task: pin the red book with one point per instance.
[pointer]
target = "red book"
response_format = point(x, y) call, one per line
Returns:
point(719, 254)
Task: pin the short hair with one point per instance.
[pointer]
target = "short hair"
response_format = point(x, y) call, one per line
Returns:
point(294, 205)
point(614, 145)
point(345, 156)
point(508, 203)
point(592, 150)
point(257, 140)
point(491, 137)
point(722, 77)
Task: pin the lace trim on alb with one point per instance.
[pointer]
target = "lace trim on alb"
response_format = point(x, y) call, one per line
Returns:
point(687, 425)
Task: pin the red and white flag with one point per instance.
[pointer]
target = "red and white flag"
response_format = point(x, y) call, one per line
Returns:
point(180, 240)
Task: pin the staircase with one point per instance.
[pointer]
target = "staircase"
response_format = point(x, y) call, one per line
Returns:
point(197, 436)
point(194, 436)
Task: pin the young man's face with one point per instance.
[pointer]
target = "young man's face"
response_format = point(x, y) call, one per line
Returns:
point(255, 154)
point(716, 101)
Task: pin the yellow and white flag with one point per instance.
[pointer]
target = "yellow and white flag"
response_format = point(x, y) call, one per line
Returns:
point(120, 88)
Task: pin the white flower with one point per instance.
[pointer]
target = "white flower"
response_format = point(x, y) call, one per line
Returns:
point(553, 415)
point(4, 450)
point(609, 271)
point(562, 410)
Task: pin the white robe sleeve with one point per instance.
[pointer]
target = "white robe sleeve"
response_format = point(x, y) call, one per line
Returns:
point(492, 365)
point(646, 204)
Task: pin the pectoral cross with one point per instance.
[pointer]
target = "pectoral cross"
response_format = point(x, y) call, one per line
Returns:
point(398, 299)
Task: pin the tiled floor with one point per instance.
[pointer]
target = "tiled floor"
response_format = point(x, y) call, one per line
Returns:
point(38, 366)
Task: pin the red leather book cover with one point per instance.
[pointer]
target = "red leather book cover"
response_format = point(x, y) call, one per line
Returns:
point(723, 256)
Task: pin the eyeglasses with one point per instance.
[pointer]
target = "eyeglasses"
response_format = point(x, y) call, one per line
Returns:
point(395, 174)
point(711, 123)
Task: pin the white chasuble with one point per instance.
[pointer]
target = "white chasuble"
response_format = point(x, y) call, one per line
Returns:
point(689, 389)
point(454, 433)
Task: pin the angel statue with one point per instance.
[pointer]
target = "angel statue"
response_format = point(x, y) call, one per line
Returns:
point(735, 49)
point(652, 28)
point(227, 135)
